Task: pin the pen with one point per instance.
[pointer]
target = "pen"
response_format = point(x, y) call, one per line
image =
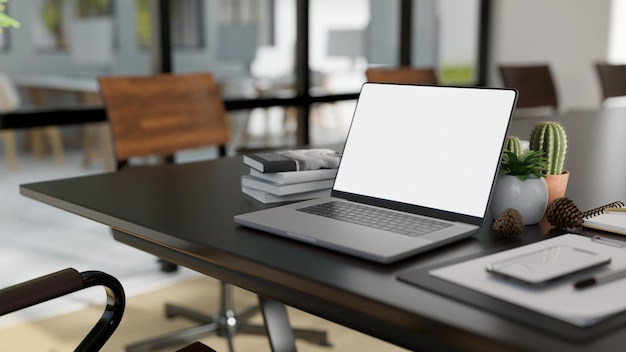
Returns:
point(601, 278)
point(616, 210)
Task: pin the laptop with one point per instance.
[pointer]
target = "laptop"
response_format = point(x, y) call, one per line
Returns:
point(414, 154)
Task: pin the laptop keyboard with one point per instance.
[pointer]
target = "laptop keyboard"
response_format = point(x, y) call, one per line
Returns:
point(376, 217)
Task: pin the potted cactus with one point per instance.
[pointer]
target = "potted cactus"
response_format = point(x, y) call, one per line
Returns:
point(550, 137)
point(521, 183)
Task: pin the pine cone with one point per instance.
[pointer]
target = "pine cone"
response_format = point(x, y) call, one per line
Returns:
point(563, 213)
point(510, 222)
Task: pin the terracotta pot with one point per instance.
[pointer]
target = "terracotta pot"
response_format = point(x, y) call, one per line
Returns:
point(557, 184)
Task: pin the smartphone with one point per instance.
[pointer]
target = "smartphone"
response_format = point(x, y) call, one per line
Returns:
point(548, 264)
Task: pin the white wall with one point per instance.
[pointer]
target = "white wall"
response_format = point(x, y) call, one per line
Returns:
point(617, 44)
point(570, 35)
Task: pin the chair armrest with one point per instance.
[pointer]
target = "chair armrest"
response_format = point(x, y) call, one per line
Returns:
point(64, 282)
point(39, 290)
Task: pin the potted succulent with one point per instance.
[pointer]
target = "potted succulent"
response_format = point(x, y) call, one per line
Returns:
point(521, 183)
point(550, 137)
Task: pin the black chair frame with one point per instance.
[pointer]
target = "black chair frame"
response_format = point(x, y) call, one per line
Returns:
point(64, 282)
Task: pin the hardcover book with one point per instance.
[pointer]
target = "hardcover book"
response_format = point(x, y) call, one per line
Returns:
point(293, 160)
point(280, 190)
point(265, 197)
point(289, 177)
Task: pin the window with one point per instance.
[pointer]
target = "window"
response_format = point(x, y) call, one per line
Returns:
point(55, 18)
point(3, 40)
point(48, 29)
point(186, 23)
point(93, 8)
point(6, 22)
point(456, 44)
point(340, 33)
point(259, 13)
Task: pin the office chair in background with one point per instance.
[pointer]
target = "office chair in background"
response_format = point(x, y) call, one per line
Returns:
point(535, 85)
point(408, 75)
point(612, 80)
point(161, 115)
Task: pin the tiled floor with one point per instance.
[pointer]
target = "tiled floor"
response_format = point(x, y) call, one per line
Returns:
point(37, 239)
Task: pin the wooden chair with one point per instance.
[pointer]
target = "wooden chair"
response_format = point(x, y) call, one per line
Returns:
point(533, 82)
point(407, 75)
point(163, 114)
point(612, 80)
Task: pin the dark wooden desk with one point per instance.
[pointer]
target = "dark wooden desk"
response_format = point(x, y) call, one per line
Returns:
point(184, 213)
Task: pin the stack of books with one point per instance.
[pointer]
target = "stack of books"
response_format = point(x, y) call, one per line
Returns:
point(290, 175)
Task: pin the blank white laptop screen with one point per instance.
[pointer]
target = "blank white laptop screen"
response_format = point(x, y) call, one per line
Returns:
point(462, 184)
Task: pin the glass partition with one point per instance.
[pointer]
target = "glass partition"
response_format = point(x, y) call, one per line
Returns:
point(340, 39)
point(350, 36)
point(3, 40)
point(248, 45)
point(458, 41)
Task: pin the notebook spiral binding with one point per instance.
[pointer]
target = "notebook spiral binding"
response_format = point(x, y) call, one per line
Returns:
point(601, 210)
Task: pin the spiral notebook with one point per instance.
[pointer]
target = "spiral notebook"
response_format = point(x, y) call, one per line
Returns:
point(610, 217)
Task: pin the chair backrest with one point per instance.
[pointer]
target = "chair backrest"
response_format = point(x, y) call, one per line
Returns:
point(407, 75)
point(534, 83)
point(163, 114)
point(612, 80)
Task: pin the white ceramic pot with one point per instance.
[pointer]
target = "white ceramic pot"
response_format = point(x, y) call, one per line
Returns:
point(529, 197)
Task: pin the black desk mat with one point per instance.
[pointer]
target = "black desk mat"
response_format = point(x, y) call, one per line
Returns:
point(537, 321)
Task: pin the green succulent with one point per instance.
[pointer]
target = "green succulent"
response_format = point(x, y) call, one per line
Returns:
point(531, 162)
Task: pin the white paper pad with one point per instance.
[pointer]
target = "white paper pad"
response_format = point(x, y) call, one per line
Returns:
point(580, 307)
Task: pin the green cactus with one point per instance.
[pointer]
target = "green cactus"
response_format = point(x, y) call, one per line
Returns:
point(550, 137)
point(513, 144)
